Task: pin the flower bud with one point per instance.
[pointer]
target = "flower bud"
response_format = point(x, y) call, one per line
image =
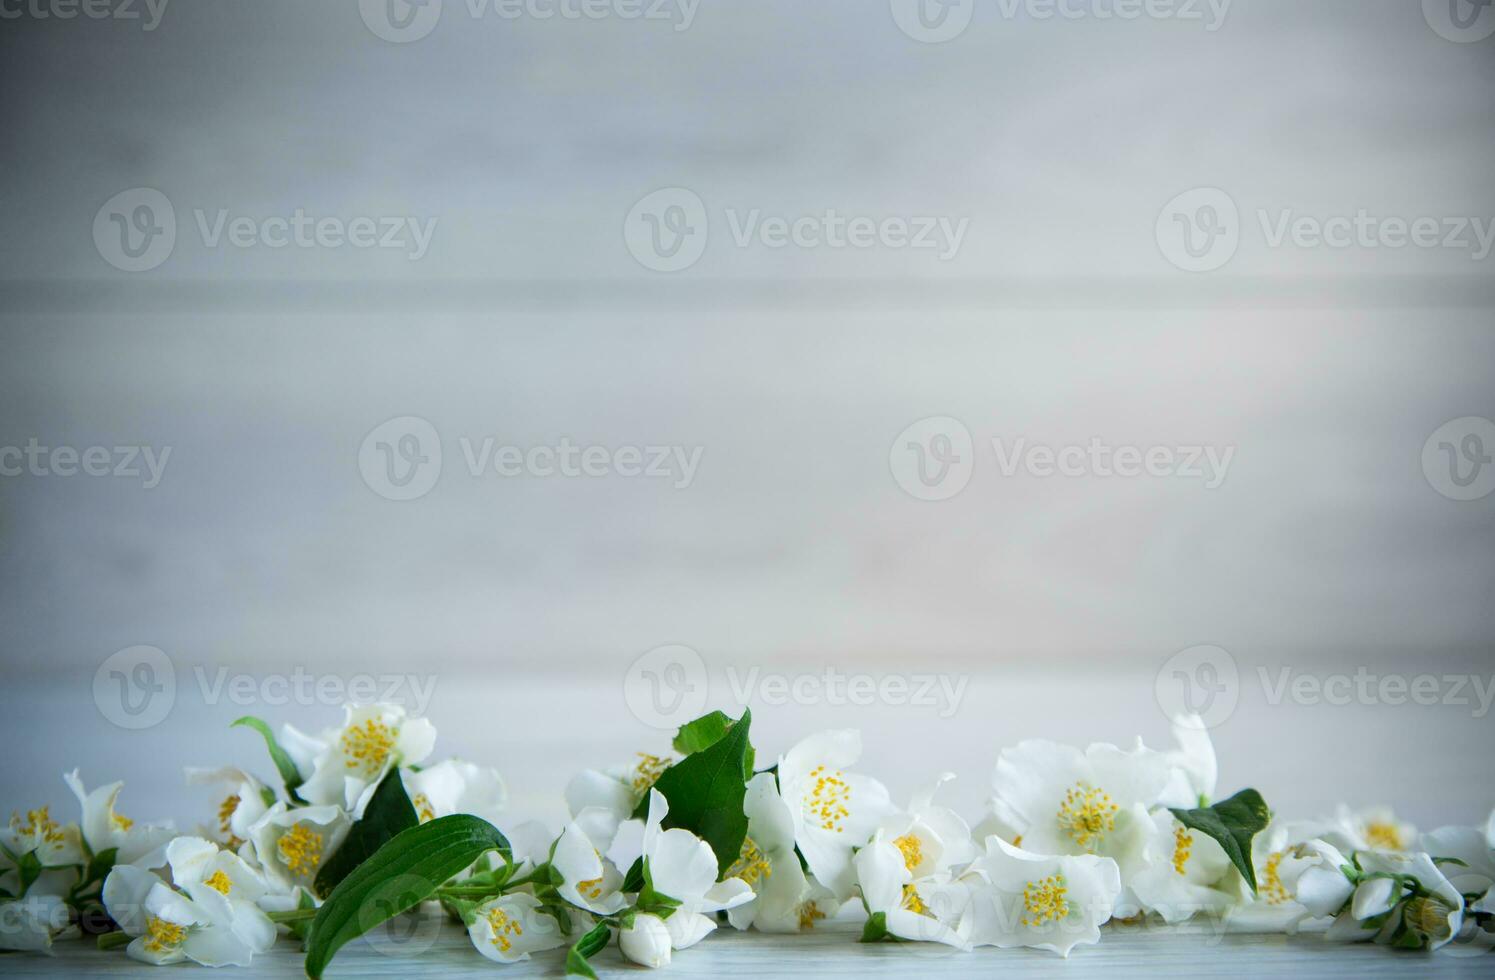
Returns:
point(646, 941)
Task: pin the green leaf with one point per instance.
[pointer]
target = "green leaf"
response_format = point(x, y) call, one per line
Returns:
point(389, 812)
point(705, 792)
point(1233, 823)
point(100, 865)
point(649, 900)
point(28, 869)
point(876, 930)
point(289, 774)
point(633, 881)
point(704, 732)
point(400, 875)
point(586, 947)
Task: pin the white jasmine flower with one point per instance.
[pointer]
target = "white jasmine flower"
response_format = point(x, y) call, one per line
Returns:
point(927, 909)
point(784, 899)
point(1386, 910)
point(646, 941)
point(344, 765)
point(32, 922)
point(682, 866)
point(36, 832)
point(1298, 877)
point(618, 789)
point(1195, 770)
point(588, 880)
point(292, 844)
point(509, 928)
point(935, 838)
point(833, 810)
point(1373, 829)
point(1018, 898)
point(455, 786)
point(1475, 846)
point(216, 923)
point(1187, 873)
point(240, 806)
point(143, 845)
point(1094, 802)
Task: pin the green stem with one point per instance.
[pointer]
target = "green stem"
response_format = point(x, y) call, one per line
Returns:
point(292, 915)
point(114, 940)
point(498, 888)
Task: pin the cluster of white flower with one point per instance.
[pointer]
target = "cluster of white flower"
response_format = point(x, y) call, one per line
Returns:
point(662, 851)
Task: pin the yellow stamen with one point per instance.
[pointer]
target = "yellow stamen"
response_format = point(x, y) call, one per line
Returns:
point(648, 771)
point(423, 808)
point(122, 822)
point(366, 747)
point(226, 810)
point(219, 882)
point(504, 927)
point(828, 803)
point(913, 902)
point(913, 854)
point(1088, 814)
point(1183, 845)
point(751, 864)
point(301, 849)
point(1017, 841)
point(1384, 836)
point(1045, 900)
point(590, 889)
point(1272, 887)
point(809, 914)
point(39, 825)
point(162, 936)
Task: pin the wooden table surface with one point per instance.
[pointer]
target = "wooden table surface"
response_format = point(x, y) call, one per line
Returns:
point(431, 947)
